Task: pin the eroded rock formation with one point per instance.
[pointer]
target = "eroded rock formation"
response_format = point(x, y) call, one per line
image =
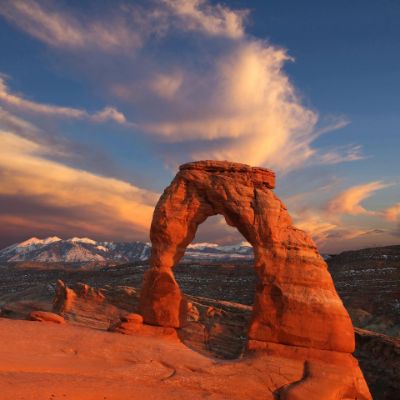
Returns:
point(295, 302)
point(297, 313)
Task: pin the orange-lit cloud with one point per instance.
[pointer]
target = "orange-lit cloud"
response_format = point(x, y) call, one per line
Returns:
point(166, 85)
point(342, 222)
point(250, 112)
point(214, 20)
point(58, 28)
point(349, 201)
point(125, 28)
point(392, 213)
point(241, 105)
point(231, 100)
point(89, 202)
point(19, 102)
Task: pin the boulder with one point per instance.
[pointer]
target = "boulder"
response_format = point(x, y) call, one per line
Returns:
point(45, 316)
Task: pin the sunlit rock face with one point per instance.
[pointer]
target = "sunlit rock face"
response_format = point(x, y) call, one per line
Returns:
point(295, 301)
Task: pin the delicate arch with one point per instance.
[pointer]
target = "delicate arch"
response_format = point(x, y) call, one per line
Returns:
point(295, 301)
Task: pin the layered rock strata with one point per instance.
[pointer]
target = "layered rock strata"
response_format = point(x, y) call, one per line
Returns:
point(295, 302)
point(297, 313)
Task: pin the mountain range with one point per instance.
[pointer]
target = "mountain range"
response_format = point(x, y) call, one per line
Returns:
point(55, 249)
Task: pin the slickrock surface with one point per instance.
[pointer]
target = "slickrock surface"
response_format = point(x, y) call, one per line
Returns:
point(77, 363)
point(295, 301)
point(24, 290)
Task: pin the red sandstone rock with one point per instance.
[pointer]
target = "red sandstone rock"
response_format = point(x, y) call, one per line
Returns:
point(64, 298)
point(295, 303)
point(132, 325)
point(133, 318)
point(98, 308)
point(44, 316)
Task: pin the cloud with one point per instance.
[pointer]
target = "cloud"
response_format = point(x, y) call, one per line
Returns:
point(214, 20)
point(344, 154)
point(231, 99)
point(392, 213)
point(13, 123)
point(349, 201)
point(243, 108)
point(85, 202)
point(332, 234)
point(55, 26)
point(327, 221)
point(197, 85)
point(316, 227)
point(166, 85)
point(19, 102)
point(109, 114)
point(123, 28)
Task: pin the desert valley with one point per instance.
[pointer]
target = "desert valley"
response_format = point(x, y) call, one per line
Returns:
point(87, 306)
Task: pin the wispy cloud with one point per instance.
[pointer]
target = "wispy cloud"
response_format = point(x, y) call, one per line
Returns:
point(343, 154)
point(57, 27)
point(326, 218)
point(349, 201)
point(214, 20)
point(392, 213)
point(11, 122)
point(21, 103)
point(92, 203)
point(125, 27)
point(231, 100)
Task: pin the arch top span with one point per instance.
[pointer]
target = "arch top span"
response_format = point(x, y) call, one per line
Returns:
point(262, 175)
point(295, 301)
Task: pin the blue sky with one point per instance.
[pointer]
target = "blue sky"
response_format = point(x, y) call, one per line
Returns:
point(114, 95)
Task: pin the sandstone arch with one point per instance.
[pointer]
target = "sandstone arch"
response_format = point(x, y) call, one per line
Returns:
point(295, 301)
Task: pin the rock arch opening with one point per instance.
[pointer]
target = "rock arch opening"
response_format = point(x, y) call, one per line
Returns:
point(218, 264)
point(295, 301)
point(218, 280)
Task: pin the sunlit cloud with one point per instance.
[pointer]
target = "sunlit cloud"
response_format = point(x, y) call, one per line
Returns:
point(349, 201)
point(9, 121)
point(166, 85)
point(392, 213)
point(89, 202)
point(231, 99)
point(214, 20)
point(333, 234)
point(341, 222)
point(21, 103)
point(55, 26)
point(249, 111)
point(109, 114)
point(125, 27)
point(240, 105)
point(344, 154)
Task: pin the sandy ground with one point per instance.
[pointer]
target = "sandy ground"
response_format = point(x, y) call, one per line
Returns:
point(40, 361)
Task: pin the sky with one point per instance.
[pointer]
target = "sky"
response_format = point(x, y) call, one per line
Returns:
point(100, 101)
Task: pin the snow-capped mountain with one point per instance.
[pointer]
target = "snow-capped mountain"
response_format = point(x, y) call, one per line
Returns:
point(55, 249)
point(213, 251)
